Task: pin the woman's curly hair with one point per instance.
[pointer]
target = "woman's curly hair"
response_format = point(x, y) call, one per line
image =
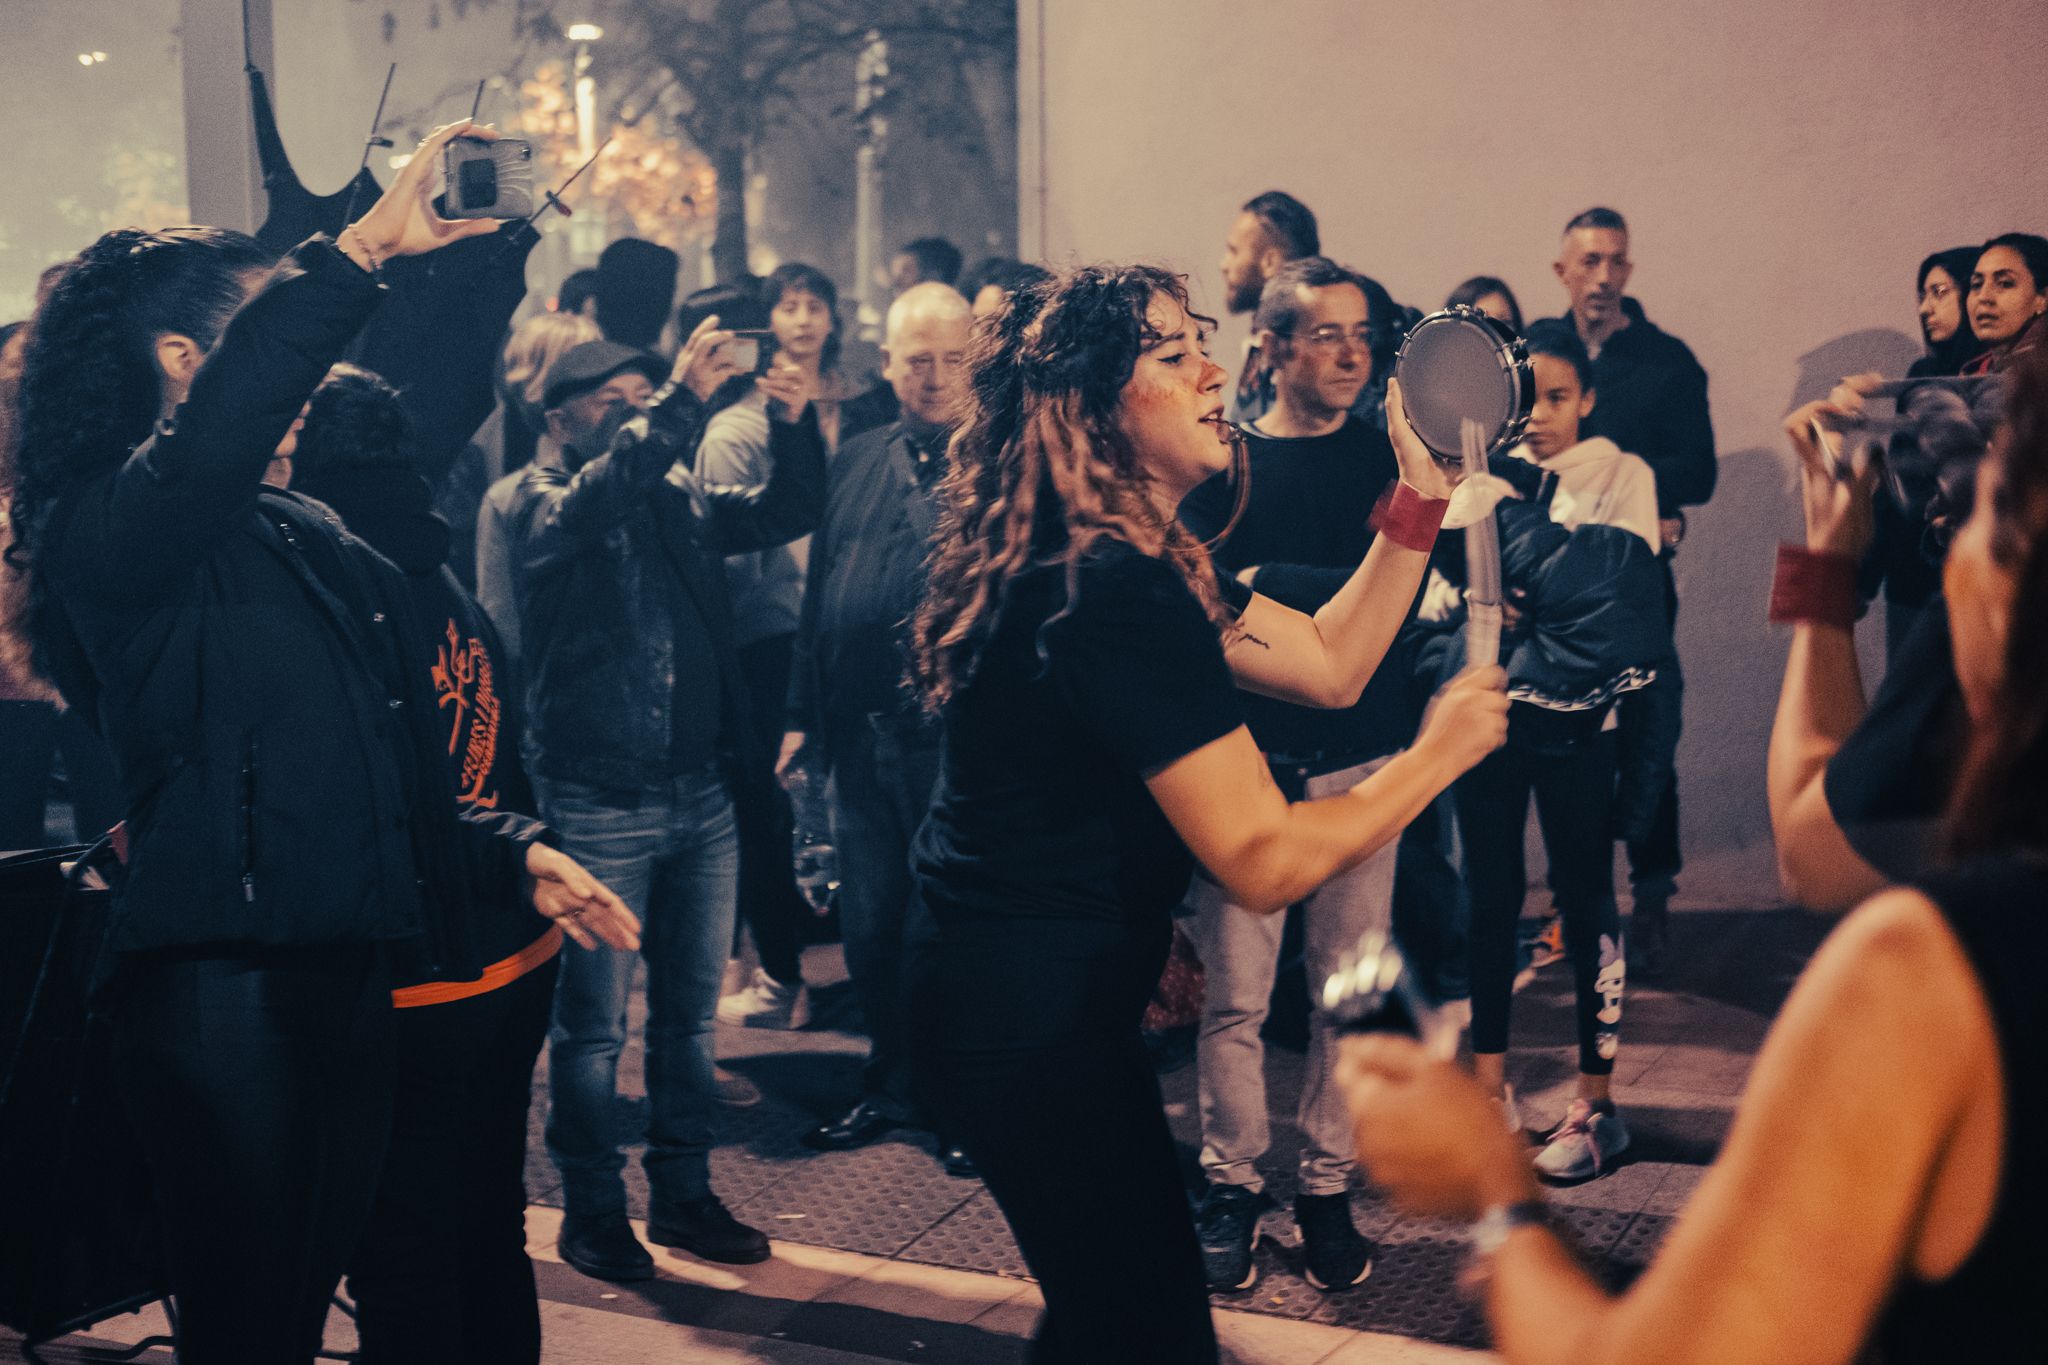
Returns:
point(90, 385)
point(1040, 473)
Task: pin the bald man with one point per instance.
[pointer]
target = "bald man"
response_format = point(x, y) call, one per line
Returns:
point(848, 706)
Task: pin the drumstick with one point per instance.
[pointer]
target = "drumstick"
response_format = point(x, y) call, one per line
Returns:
point(1482, 563)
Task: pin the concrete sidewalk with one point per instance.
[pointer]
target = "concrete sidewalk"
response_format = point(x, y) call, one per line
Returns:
point(880, 1256)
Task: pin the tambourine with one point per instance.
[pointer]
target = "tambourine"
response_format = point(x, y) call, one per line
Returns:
point(1461, 365)
point(1374, 990)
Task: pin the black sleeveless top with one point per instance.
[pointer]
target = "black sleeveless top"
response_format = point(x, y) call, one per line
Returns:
point(1998, 910)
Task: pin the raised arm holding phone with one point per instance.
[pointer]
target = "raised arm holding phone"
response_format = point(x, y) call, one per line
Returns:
point(290, 828)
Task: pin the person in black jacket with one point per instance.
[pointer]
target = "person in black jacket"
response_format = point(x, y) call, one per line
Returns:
point(442, 1273)
point(289, 842)
point(1653, 404)
point(638, 726)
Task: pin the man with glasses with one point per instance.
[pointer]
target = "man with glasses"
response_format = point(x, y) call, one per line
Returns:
point(1316, 472)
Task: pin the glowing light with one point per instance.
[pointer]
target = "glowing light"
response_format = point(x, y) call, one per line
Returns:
point(99, 56)
point(585, 33)
point(85, 59)
point(401, 160)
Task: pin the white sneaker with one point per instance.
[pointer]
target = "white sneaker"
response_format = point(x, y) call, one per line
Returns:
point(766, 1003)
point(1584, 1145)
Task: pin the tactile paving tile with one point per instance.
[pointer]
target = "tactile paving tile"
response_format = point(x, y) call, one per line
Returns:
point(877, 1200)
point(1412, 1290)
point(1627, 1257)
point(971, 1237)
point(1591, 1231)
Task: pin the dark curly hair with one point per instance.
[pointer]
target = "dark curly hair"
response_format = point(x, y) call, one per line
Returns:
point(354, 420)
point(91, 388)
point(1039, 471)
point(2001, 796)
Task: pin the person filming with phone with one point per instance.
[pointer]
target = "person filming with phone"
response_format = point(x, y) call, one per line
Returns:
point(291, 843)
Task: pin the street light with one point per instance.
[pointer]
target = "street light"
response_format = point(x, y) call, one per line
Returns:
point(585, 33)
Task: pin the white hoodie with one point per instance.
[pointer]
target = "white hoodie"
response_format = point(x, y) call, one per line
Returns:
point(1598, 484)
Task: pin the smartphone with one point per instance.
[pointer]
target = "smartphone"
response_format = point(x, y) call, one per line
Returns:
point(488, 179)
point(750, 349)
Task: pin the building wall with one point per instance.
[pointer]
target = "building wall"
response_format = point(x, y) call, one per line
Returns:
point(1784, 167)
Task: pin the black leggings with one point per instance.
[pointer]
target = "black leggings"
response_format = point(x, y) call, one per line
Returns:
point(771, 906)
point(1116, 1257)
point(260, 1087)
point(1573, 791)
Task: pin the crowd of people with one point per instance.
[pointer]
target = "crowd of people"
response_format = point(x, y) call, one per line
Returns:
point(434, 673)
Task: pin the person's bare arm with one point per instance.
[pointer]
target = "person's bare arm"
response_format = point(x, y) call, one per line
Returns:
point(1328, 658)
point(1805, 1222)
point(1268, 853)
point(1821, 701)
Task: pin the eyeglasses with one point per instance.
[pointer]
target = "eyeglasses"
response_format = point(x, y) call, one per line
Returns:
point(1330, 336)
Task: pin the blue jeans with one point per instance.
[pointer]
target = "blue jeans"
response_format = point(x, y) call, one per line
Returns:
point(672, 854)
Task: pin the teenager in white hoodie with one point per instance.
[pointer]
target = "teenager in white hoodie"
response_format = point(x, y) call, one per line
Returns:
point(1563, 754)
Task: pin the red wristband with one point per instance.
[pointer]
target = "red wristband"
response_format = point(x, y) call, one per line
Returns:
point(1814, 586)
point(1408, 518)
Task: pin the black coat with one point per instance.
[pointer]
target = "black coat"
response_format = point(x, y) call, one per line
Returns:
point(1650, 398)
point(604, 555)
point(250, 665)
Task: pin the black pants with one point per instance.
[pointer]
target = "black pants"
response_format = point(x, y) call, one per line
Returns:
point(1655, 860)
point(881, 788)
point(1573, 791)
point(442, 1276)
point(771, 905)
point(260, 1087)
point(1116, 1257)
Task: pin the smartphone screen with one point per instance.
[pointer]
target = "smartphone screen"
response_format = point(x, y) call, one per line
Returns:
point(744, 352)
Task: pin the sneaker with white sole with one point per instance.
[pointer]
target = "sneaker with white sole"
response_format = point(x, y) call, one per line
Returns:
point(1584, 1145)
point(765, 1002)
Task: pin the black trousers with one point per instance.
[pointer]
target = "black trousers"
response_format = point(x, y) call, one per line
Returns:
point(881, 787)
point(1116, 1257)
point(771, 906)
point(260, 1086)
point(1573, 791)
point(1655, 860)
point(441, 1277)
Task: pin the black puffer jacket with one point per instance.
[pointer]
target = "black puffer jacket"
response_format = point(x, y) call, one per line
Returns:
point(250, 664)
point(1593, 631)
point(604, 552)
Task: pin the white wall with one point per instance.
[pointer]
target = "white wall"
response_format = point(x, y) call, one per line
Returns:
point(1784, 165)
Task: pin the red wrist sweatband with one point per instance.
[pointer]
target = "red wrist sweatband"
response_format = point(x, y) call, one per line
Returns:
point(1409, 519)
point(1814, 586)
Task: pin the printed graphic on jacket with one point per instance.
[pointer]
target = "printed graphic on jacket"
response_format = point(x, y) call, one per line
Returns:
point(463, 681)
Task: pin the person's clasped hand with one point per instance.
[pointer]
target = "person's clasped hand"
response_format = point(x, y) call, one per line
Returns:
point(1428, 1133)
point(587, 910)
point(1837, 509)
point(790, 388)
point(1468, 719)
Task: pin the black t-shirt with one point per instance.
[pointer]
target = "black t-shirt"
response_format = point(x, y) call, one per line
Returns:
point(1049, 871)
point(1889, 783)
point(1306, 526)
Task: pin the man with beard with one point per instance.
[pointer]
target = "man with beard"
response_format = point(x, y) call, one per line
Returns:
point(847, 693)
point(1316, 470)
point(1269, 231)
